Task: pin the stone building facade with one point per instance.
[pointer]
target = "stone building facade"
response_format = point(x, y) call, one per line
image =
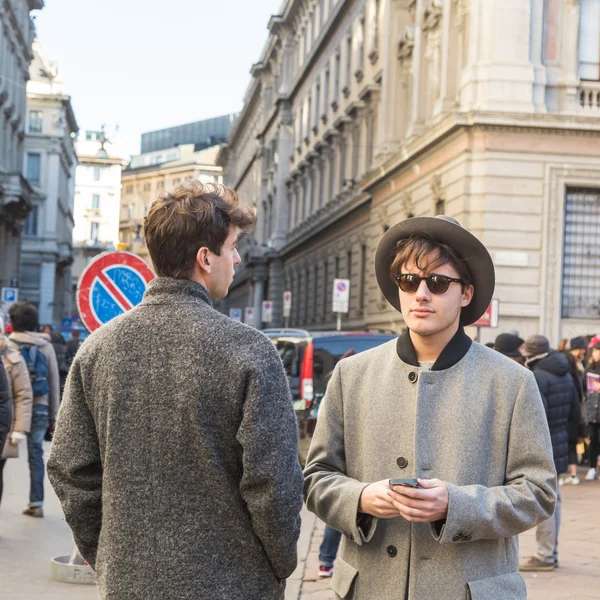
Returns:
point(148, 175)
point(97, 196)
point(485, 110)
point(50, 163)
point(17, 33)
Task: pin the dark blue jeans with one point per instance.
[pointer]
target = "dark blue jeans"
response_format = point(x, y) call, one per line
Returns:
point(329, 546)
point(39, 424)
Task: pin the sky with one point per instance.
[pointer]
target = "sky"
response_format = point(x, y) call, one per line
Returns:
point(148, 64)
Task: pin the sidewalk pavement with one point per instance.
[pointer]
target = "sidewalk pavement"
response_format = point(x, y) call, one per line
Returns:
point(579, 553)
point(27, 545)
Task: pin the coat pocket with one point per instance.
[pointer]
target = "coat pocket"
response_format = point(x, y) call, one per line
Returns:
point(510, 586)
point(343, 578)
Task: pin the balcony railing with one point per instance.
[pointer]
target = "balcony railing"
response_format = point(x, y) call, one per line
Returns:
point(589, 96)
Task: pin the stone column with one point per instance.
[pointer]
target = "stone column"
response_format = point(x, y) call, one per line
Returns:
point(276, 288)
point(47, 283)
point(419, 89)
point(536, 55)
point(285, 149)
point(259, 277)
point(570, 52)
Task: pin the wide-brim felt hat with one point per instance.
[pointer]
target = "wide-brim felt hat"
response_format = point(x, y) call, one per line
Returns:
point(447, 231)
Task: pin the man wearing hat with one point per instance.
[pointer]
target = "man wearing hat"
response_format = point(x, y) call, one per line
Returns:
point(561, 401)
point(465, 421)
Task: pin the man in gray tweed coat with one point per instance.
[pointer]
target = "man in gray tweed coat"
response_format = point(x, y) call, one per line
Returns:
point(464, 423)
point(175, 452)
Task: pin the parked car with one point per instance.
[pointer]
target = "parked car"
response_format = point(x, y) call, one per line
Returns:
point(309, 358)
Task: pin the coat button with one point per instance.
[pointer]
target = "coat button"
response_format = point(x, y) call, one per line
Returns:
point(392, 551)
point(402, 462)
point(412, 377)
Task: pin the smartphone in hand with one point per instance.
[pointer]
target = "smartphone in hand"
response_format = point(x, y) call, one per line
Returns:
point(411, 482)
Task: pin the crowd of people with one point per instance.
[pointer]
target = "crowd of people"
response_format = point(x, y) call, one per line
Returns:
point(34, 365)
point(582, 355)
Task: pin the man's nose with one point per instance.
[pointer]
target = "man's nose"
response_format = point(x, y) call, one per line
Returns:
point(236, 258)
point(422, 292)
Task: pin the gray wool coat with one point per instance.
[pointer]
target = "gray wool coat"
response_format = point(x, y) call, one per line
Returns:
point(475, 421)
point(175, 454)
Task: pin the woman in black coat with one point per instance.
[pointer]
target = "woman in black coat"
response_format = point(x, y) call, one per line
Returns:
point(592, 402)
point(5, 407)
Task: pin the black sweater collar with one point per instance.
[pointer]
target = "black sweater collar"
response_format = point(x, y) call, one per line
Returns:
point(454, 351)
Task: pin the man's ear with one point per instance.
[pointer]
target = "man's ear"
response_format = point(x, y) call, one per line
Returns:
point(467, 296)
point(203, 259)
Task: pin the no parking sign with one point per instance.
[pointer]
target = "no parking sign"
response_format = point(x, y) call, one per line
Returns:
point(113, 283)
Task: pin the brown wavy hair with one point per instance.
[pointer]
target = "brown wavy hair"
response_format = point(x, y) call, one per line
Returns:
point(190, 217)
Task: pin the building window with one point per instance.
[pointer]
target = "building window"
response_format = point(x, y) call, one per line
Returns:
point(581, 264)
point(326, 94)
point(317, 106)
point(30, 227)
point(363, 273)
point(160, 185)
point(96, 201)
point(96, 173)
point(147, 187)
point(336, 80)
point(176, 181)
point(35, 121)
point(589, 40)
point(440, 207)
point(94, 230)
point(34, 166)
point(129, 189)
point(347, 81)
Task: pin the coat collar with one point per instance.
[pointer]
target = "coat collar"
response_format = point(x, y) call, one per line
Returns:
point(454, 352)
point(166, 290)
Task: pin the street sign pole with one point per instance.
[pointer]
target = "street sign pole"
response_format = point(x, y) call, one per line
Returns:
point(341, 299)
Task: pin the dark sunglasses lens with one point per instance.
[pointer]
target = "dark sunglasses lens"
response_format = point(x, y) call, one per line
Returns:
point(409, 283)
point(438, 284)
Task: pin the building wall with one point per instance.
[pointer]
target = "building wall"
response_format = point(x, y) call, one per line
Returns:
point(97, 197)
point(16, 37)
point(485, 110)
point(46, 251)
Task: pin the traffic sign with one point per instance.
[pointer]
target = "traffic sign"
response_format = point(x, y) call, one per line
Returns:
point(267, 311)
point(490, 316)
point(8, 297)
point(235, 314)
point(112, 284)
point(249, 316)
point(341, 295)
point(287, 304)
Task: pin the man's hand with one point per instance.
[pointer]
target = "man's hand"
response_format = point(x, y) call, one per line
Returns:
point(375, 501)
point(426, 504)
point(16, 437)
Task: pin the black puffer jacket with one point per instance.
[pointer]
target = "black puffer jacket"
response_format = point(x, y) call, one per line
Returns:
point(561, 402)
point(5, 407)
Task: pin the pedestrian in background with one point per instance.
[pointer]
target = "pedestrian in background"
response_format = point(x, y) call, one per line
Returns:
point(575, 354)
point(37, 351)
point(464, 421)
point(5, 407)
point(73, 346)
point(19, 387)
point(592, 410)
point(551, 371)
point(509, 345)
point(176, 450)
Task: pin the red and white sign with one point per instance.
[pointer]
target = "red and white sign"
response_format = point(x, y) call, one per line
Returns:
point(112, 284)
point(490, 316)
point(341, 295)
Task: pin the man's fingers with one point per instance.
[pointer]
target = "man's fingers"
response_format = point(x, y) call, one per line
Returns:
point(429, 483)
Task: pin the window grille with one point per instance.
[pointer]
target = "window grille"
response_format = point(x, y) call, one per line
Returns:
point(581, 263)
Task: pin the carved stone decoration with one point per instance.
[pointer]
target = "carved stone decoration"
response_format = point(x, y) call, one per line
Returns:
point(436, 188)
point(406, 44)
point(408, 204)
point(432, 15)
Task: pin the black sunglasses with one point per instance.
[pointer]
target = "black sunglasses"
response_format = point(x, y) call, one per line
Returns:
point(437, 284)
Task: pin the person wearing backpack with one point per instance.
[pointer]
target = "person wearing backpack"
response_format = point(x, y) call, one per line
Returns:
point(40, 358)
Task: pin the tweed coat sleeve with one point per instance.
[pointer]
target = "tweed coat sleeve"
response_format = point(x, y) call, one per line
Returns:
point(329, 492)
point(75, 469)
point(5, 407)
point(528, 496)
point(272, 480)
point(53, 382)
point(20, 384)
